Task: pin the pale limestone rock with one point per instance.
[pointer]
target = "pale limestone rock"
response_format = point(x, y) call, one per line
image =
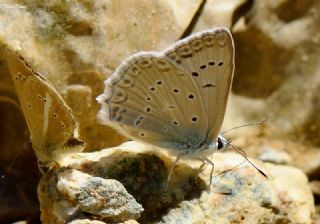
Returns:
point(240, 195)
point(217, 13)
point(86, 221)
point(74, 195)
point(277, 70)
point(277, 67)
point(276, 156)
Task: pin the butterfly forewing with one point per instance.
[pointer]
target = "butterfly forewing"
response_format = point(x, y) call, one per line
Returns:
point(50, 122)
point(156, 101)
point(209, 58)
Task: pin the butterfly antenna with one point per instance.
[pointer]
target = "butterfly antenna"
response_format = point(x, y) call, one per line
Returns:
point(246, 125)
point(241, 152)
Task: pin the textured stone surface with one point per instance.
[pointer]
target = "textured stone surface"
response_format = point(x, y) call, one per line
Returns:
point(75, 195)
point(218, 13)
point(240, 195)
point(277, 70)
point(77, 44)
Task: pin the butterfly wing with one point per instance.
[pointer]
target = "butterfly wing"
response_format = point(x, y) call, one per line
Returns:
point(50, 121)
point(208, 57)
point(150, 98)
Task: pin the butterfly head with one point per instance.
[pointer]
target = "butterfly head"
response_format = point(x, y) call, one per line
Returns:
point(222, 144)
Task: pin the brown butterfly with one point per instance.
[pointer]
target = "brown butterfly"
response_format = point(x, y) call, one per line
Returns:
point(52, 127)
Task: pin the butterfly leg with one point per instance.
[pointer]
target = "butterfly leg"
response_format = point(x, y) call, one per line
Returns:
point(170, 174)
point(212, 169)
point(202, 165)
point(204, 160)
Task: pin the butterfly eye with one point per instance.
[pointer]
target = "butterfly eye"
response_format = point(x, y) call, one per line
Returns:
point(222, 143)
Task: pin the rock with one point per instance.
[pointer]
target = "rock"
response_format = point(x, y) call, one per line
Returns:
point(86, 221)
point(271, 155)
point(76, 46)
point(239, 193)
point(75, 195)
point(218, 13)
point(315, 187)
point(284, 78)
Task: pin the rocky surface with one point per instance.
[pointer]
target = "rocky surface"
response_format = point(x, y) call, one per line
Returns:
point(68, 194)
point(77, 44)
point(240, 195)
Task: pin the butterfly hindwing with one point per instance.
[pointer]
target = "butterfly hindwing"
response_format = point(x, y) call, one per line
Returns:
point(150, 98)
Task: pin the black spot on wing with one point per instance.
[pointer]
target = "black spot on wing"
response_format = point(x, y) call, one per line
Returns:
point(208, 85)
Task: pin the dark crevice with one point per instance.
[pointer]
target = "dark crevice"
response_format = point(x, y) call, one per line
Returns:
point(241, 11)
point(194, 20)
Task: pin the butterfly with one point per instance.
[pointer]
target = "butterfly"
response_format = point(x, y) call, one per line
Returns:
point(53, 130)
point(175, 99)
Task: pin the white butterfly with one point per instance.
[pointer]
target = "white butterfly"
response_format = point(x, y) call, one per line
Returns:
point(175, 99)
point(50, 121)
